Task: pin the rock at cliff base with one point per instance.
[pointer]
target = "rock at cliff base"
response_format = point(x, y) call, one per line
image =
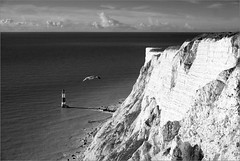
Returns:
point(197, 153)
point(177, 154)
point(170, 130)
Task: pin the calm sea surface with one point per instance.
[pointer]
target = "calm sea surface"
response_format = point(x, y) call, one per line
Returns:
point(35, 67)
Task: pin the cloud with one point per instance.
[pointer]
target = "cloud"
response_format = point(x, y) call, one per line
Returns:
point(108, 7)
point(108, 22)
point(54, 23)
point(187, 26)
point(189, 17)
point(215, 5)
point(134, 17)
point(140, 7)
point(200, 1)
point(192, 1)
point(11, 25)
point(236, 3)
point(154, 24)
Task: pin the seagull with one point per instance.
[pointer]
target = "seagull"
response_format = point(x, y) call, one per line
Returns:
point(91, 78)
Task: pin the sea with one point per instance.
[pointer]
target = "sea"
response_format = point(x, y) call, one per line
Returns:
point(35, 67)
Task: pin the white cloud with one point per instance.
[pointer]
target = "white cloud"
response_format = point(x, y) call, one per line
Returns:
point(215, 5)
point(12, 23)
point(187, 26)
point(108, 22)
point(114, 18)
point(154, 24)
point(54, 23)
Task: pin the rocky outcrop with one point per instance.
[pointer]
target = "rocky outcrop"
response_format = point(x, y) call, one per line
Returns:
point(111, 108)
point(183, 106)
point(170, 130)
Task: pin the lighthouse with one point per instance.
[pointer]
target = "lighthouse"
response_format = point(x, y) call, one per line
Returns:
point(63, 103)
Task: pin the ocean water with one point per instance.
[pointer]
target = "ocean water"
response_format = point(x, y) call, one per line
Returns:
point(35, 67)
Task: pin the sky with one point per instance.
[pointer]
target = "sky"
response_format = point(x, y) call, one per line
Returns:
point(120, 15)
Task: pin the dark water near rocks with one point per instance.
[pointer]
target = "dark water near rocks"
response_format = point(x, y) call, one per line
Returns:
point(35, 67)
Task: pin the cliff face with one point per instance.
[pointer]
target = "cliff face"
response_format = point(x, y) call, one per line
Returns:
point(185, 105)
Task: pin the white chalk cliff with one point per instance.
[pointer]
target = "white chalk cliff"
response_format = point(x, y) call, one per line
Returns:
point(185, 105)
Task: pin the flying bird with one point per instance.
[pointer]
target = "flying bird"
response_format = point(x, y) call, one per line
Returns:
point(91, 78)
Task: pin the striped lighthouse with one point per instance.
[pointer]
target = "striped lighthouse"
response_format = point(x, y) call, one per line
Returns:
point(63, 103)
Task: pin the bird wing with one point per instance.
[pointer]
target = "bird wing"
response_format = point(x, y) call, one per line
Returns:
point(91, 77)
point(85, 79)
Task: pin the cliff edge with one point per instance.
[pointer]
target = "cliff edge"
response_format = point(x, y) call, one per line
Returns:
point(185, 105)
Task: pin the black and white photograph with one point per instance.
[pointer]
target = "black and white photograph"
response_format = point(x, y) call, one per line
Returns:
point(120, 80)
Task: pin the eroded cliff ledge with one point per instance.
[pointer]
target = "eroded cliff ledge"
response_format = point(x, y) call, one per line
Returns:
point(184, 105)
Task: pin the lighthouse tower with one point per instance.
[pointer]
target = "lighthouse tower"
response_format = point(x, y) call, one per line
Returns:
point(63, 103)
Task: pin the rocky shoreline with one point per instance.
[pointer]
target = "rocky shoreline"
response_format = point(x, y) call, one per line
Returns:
point(89, 134)
point(111, 108)
point(86, 139)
